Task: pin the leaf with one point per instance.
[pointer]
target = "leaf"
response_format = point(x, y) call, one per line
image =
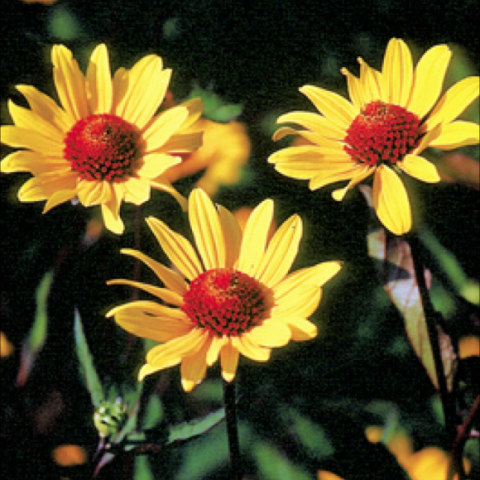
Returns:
point(87, 368)
point(35, 340)
point(396, 271)
point(153, 413)
point(142, 469)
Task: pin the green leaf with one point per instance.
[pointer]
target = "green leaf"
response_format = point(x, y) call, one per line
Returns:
point(153, 413)
point(35, 340)
point(142, 469)
point(194, 428)
point(87, 368)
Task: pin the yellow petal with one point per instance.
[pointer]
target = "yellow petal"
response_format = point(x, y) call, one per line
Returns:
point(207, 230)
point(28, 161)
point(300, 302)
point(171, 279)
point(270, 334)
point(229, 361)
point(419, 168)
point(371, 81)
point(454, 101)
point(281, 252)
point(195, 109)
point(255, 238)
point(397, 73)
point(171, 353)
point(41, 188)
point(326, 475)
point(158, 328)
point(251, 349)
point(302, 329)
point(194, 368)
point(315, 123)
point(355, 89)
point(147, 94)
point(164, 294)
point(25, 138)
point(136, 190)
point(361, 174)
point(111, 214)
point(69, 82)
point(182, 143)
point(339, 175)
point(46, 107)
point(178, 249)
point(99, 81)
point(428, 79)
point(214, 350)
point(60, 196)
point(336, 108)
point(163, 127)
point(317, 275)
point(457, 134)
point(232, 234)
point(94, 193)
point(30, 120)
point(32, 191)
point(390, 201)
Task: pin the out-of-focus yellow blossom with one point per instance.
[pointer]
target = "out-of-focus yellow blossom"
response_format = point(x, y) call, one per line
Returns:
point(69, 455)
point(469, 346)
point(6, 348)
point(393, 116)
point(399, 442)
point(325, 475)
point(106, 144)
point(44, 2)
point(225, 149)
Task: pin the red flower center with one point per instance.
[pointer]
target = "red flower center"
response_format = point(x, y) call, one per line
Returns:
point(226, 302)
point(102, 147)
point(382, 133)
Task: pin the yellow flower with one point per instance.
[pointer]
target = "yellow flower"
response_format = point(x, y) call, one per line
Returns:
point(393, 116)
point(226, 147)
point(69, 455)
point(105, 144)
point(6, 347)
point(235, 298)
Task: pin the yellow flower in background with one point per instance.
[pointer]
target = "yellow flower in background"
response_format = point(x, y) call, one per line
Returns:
point(393, 116)
point(225, 149)
point(6, 347)
point(235, 298)
point(69, 455)
point(104, 145)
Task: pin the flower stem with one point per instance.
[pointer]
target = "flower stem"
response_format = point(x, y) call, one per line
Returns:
point(431, 317)
point(232, 428)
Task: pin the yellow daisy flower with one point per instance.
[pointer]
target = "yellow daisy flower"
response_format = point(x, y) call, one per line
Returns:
point(235, 298)
point(105, 144)
point(393, 116)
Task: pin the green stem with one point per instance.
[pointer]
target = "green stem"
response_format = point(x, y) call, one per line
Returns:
point(232, 428)
point(431, 317)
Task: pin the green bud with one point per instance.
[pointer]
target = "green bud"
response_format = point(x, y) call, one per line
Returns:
point(109, 418)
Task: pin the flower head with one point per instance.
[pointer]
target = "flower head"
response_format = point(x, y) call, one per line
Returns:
point(393, 116)
point(105, 144)
point(236, 297)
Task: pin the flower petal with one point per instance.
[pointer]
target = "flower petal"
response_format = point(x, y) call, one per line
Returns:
point(454, 101)
point(111, 213)
point(270, 334)
point(70, 82)
point(317, 275)
point(182, 143)
point(25, 138)
point(255, 238)
point(161, 183)
point(300, 302)
point(229, 361)
point(171, 279)
point(419, 168)
point(336, 108)
point(99, 81)
point(94, 193)
point(362, 172)
point(60, 196)
point(315, 123)
point(390, 201)
point(232, 234)
point(33, 162)
point(250, 349)
point(155, 164)
point(178, 249)
point(136, 190)
point(163, 127)
point(46, 107)
point(457, 134)
point(207, 230)
point(371, 81)
point(214, 350)
point(281, 252)
point(168, 296)
point(302, 329)
point(355, 89)
point(397, 73)
point(194, 368)
point(428, 79)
